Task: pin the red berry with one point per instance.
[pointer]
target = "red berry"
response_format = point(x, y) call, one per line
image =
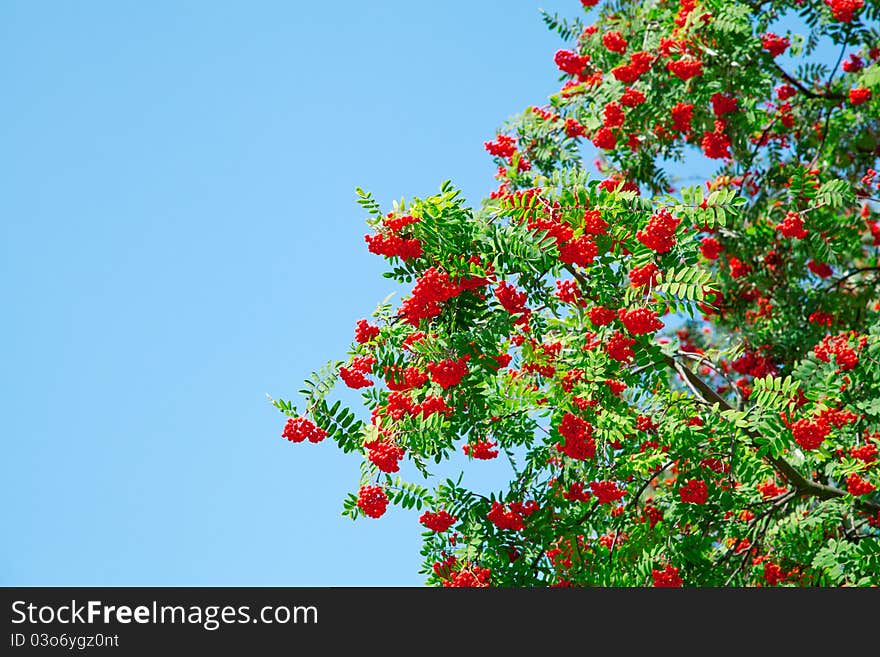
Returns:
point(694, 492)
point(440, 521)
point(481, 449)
point(659, 234)
point(570, 62)
point(300, 428)
point(855, 485)
point(774, 44)
point(666, 578)
point(843, 10)
point(606, 492)
point(365, 332)
point(614, 41)
point(859, 95)
point(372, 500)
point(640, 321)
point(578, 434)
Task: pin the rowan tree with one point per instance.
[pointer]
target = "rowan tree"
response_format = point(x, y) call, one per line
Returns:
point(684, 381)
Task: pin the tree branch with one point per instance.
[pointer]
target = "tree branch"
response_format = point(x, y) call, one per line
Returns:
point(855, 272)
point(803, 486)
point(803, 88)
point(585, 284)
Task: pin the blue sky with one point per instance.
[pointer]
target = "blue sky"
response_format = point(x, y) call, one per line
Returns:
point(180, 237)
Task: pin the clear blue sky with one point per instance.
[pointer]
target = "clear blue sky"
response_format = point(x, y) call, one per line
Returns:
point(180, 237)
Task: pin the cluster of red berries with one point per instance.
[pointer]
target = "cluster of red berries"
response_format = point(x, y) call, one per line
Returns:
point(576, 493)
point(785, 91)
point(696, 421)
point(392, 245)
point(606, 492)
point(512, 300)
point(666, 578)
point(514, 518)
point(594, 224)
point(616, 387)
point(774, 44)
point(614, 41)
point(754, 364)
point(544, 114)
point(646, 423)
point(820, 318)
point(838, 417)
point(545, 370)
point(365, 332)
point(632, 97)
point(613, 538)
point(432, 289)
point(568, 292)
point(694, 491)
point(652, 514)
point(473, 577)
point(600, 316)
point(619, 347)
point(580, 251)
point(553, 226)
point(570, 62)
point(355, 375)
point(400, 405)
point(874, 227)
point(844, 10)
point(839, 347)
point(570, 378)
point(604, 138)
point(644, 276)
point(722, 104)
point(810, 433)
point(682, 115)
point(574, 129)
point(855, 485)
point(684, 12)
point(773, 573)
point(716, 144)
point(449, 372)
point(298, 429)
point(481, 449)
point(685, 69)
point(396, 223)
point(372, 500)
point(792, 226)
point(738, 268)
point(578, 434)
point(639, 63)
point(866, 453)
point(859, 95)
point(715, 464)
point(431, 405)
point(613, 116)
point(504, 146)
point(640, 321)
point(385, 455)
point(769, 489)
point(659, 234)
point(408, 378)
point(853, 64)
point(710, 248)
point(439, 522)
